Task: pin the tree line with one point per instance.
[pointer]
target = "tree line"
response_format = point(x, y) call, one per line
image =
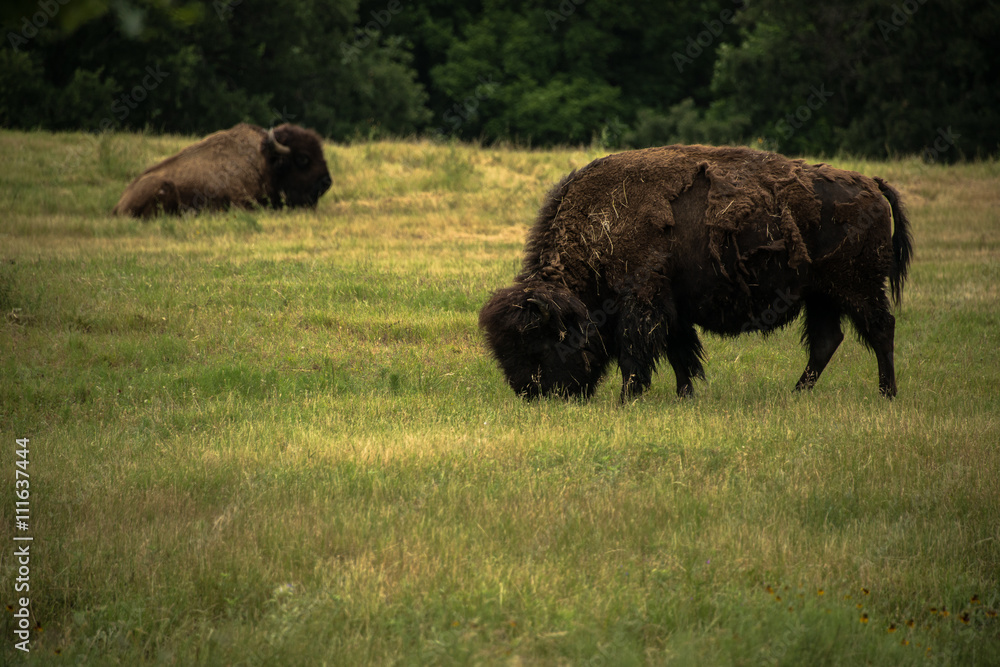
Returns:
point(876, 78)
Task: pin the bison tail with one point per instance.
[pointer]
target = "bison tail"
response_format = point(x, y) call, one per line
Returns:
point(902, 240)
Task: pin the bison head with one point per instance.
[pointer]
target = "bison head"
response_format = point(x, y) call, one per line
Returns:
point(544, 340)
point(298, 169)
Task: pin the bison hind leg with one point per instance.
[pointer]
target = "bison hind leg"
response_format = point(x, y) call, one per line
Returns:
point(822, 334)
point(685, 354)
point(155, 197)
point(876, 328)
point(167, 199)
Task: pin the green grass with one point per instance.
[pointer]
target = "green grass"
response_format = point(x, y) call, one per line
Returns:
point(277, 438)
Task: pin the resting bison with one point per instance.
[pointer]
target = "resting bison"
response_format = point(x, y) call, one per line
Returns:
point(630, 252)
point(243, 166)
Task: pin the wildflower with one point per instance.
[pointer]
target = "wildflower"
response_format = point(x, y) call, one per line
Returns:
point(910, 623)
point(975, 600)
point(859, 605)
point(864, 618)
point(964, 618)
point(992, 613)
point(769, 590)
point(865, 591)
point(820, 592)
point(944, 612)
point(933, 610)
point(892, 628)
point(905, 642)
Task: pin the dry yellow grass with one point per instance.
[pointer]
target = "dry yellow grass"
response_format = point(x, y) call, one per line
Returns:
point(277, 437)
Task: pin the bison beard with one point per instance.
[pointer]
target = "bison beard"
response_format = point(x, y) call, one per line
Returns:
point(244, 166)
point(632, 251)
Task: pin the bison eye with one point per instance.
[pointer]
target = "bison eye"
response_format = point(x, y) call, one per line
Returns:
point(302, 160)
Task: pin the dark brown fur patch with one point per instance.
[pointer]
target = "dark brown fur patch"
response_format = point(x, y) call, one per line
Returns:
point(234, 167)
point(655, 241)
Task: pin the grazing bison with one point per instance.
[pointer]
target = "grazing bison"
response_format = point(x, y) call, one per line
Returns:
point(243, 166)
point(631, 251)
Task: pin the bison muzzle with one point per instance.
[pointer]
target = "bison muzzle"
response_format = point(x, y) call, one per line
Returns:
point(244, 166)
point(632, 251)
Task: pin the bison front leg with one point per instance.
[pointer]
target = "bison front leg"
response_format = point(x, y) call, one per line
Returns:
point(684, 352)
point(636, 377)
point(641, 339)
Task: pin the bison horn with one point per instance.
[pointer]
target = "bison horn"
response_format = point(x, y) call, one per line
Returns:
point(278, 147)
point(542, 306)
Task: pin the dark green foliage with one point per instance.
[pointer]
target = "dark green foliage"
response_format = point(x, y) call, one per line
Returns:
point(207, 66)
point(867, 78)
point(550, 71)
point(23, 91)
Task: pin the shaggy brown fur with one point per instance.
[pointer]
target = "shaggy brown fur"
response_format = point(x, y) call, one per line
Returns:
point(241, 166)
point(633, 250)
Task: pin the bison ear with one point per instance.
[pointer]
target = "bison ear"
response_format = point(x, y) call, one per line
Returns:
point(275, 146)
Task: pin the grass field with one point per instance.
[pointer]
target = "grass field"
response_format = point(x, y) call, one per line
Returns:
point(277, 438)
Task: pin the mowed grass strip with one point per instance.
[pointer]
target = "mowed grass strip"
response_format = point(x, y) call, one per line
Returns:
point(263, 437)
